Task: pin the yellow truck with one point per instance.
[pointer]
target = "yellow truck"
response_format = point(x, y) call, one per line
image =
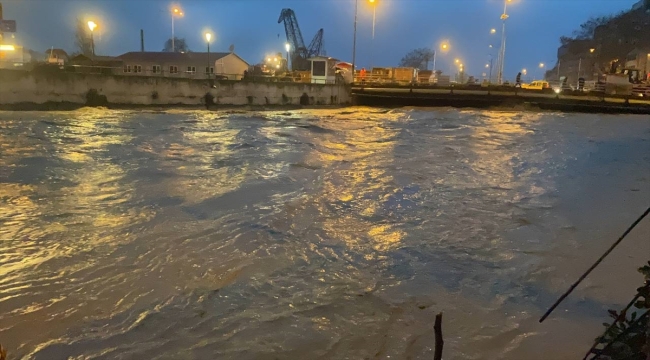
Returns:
point(536, 85)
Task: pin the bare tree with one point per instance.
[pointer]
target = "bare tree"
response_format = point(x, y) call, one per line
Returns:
point(82, 41)
point(180, 45)
point(588, 28)
point(418, 58)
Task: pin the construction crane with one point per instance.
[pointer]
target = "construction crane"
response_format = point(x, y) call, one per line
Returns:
point(300, 53)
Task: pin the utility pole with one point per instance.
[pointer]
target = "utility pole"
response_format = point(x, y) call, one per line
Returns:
point(1, 33)
point(502, 54)
point(491, 59)
point(354, 41)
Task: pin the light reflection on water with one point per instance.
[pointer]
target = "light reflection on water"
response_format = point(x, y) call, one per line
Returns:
point(313, 233)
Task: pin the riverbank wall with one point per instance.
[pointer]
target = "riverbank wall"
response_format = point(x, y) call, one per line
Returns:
point(19, 89)
point(500, 100)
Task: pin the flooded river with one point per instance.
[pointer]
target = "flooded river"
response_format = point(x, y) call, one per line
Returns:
point(315, 234)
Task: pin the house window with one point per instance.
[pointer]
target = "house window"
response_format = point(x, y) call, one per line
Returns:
point(173, 69)
point(127, 68)
point(137, 68)
point(156, 69)
point(209, 70)
point(191, 69)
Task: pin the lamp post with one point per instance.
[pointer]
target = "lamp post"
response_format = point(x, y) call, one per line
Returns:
point(502, 54)
point(373, 3)
point(354, 40)
point(92, 25)
point(208, 37)
point(444, 47)
point(175, 12)
point(490, 78)
point(541, 66)
point(287, 47)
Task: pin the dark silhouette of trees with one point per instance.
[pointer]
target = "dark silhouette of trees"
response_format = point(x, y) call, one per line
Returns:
point(180, 45)
point(418, 58)
point(82, 40)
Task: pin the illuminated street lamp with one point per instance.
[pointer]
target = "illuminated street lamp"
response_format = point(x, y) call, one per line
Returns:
point(208, 37)
point(444, 47)
point(287, 47)
point(354, 41)
point(502, 54)
point(92, 25)
point(541, 67)
point(493, 31)
point(374, 15)
point(373, 3)
point(175, 12)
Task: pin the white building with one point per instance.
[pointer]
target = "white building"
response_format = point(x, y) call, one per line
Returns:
point(192, 64)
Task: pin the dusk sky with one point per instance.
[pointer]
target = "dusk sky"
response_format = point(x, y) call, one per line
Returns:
point(533, 29)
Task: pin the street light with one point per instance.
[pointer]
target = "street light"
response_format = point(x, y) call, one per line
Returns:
point(444, 47)
point(373, 3)
point(354, 39)
point(208, 37)
point(175, 12)
point(92, 25)
point(374, 15)
point(493, 31)
point(541, 66)
point(502, 54)
point(287, 46)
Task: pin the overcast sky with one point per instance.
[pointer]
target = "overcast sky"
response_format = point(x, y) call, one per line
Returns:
point(533, 29)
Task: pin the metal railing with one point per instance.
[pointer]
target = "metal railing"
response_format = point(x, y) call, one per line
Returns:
point(44, 68)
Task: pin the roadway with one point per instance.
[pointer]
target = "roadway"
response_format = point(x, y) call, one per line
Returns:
point(358, 90)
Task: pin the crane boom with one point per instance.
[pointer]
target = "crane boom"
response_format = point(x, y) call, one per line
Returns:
point(300, 53)
point(292, 29)
point(316, 45)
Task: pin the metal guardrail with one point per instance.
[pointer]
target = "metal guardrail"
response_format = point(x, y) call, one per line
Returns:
point(159, 73)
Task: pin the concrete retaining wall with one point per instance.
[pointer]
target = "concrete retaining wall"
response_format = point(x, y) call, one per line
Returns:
point(18, 87)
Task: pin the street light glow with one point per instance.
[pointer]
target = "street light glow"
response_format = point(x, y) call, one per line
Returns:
point(287, 46)
point(177, 11)
point(493, 31)
point(208, 36)
point(487, 66)
point(7, 48)
point(541, 65)
point(457, 61)
point(92, 25)
point(592, 50)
